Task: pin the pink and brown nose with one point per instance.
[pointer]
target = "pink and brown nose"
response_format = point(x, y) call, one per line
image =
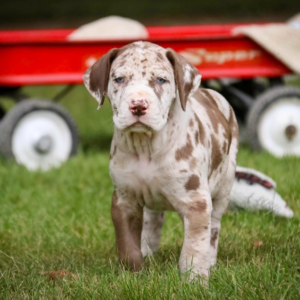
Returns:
point(138, 107)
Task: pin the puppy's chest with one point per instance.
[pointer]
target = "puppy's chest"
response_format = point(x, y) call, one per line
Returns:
point(143, 181)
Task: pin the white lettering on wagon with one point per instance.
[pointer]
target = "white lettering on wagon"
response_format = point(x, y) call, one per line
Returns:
point(200, 56)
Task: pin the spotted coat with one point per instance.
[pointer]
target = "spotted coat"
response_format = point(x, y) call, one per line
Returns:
point(174, 148)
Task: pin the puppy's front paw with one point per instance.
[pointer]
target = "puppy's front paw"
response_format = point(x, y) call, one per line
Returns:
point(196, 277)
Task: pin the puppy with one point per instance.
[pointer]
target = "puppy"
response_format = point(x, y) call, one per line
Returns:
point(174, 148)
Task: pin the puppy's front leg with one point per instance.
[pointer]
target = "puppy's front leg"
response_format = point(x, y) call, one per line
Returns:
point(195, 256)
point(128, 223)
point(152, 227)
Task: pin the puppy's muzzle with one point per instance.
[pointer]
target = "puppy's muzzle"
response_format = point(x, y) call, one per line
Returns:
point(139, 107)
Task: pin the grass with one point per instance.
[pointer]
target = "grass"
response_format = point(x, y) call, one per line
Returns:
point(60, 220)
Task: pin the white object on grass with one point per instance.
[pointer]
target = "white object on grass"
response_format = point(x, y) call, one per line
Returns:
point(253, 190)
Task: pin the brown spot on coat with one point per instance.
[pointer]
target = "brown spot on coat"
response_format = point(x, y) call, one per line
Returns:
point(217, 118)
point(158, 89)
point(214, 236)
point(225, 149)
point(197, 137)
point(200, 130)
point(186, 151)
point(215, 115)
point(193, 163)
point(209, 96)
point(216, 155)
point(191, 123)
point(122, 63)
point(193, 183)
point(115, 109)
point(189, 85)
point(159, 57)
point(199, 206)
point(198, 219)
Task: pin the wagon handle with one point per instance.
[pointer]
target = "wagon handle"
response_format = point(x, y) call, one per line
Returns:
point(63, 92)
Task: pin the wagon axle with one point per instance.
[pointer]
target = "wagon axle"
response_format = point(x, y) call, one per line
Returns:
point(44, 144)
point(291, 132)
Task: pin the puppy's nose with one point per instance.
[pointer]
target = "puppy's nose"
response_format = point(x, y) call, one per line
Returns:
point(138, 107)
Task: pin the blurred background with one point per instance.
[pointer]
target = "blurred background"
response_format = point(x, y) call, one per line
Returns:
point(35, 14)
point(60, 219)
point(72, 13)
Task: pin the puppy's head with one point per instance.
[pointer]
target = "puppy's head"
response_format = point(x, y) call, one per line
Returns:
point(141, 80)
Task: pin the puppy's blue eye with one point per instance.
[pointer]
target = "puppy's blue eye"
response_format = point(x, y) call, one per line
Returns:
point(120, 79)
point(160, 80)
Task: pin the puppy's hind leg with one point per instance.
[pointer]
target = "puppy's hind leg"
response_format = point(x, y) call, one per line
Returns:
point(220, 203)
point(219, 207)
point(152, 227)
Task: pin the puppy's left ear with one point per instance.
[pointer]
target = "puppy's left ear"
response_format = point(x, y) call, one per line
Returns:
point(96, 77)
point(187, 77)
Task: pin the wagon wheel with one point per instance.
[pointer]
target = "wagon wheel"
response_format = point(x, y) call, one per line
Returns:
point(2, 112)
point(38, 134)
point(273, 122)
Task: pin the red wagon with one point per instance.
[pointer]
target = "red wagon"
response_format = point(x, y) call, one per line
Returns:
point(41, 134)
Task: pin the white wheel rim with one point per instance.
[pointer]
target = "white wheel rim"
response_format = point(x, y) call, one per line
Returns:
point(279, 127)
point(41, 140)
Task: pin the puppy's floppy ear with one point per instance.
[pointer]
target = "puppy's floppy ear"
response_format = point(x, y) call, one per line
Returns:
point(187, 77)
point(96, 77)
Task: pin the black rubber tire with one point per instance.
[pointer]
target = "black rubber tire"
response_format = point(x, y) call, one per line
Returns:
point(14, 115)
point(2, 112)
point(260, 104)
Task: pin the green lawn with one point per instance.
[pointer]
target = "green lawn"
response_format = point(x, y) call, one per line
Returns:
point(60, 220)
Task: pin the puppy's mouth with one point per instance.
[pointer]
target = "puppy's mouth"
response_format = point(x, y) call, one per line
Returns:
point(138, 127)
